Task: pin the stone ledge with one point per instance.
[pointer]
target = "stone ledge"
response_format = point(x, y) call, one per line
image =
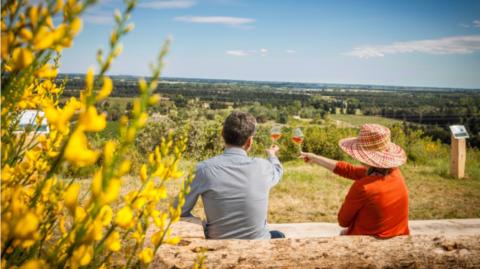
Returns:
point(453, 243)
point(418, 251)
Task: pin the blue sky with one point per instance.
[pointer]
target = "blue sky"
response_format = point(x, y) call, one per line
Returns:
point(411, 43)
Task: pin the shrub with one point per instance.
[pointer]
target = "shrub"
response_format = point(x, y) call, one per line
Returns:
point(47, 220)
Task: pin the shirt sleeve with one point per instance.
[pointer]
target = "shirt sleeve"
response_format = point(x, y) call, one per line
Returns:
point(354, 201)
point(197, 187)
point(350, 171)
point(277, 170)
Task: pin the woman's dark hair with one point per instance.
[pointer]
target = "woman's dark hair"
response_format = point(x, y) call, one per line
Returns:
point(382, 171)
point(238, 127)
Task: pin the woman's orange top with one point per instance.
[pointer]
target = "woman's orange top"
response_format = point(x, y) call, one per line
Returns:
point(375, 205)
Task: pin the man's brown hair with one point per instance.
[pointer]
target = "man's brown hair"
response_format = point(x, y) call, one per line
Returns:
point(238, 127)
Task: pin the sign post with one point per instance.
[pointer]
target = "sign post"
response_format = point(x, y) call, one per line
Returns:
point(458, 151)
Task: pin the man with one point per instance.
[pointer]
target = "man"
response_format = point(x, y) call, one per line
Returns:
point(235, 187)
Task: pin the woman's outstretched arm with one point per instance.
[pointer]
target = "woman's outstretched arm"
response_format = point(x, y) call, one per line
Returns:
point(320, 160)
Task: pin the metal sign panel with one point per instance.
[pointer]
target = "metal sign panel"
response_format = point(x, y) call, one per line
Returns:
point(459, 131)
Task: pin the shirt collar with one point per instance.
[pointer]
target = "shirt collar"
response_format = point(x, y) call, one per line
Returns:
point(235, 151)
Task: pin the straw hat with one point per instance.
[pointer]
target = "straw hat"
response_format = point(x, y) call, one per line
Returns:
point(373, 147)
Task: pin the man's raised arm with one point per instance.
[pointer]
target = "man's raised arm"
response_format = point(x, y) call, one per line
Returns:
point(277, 166)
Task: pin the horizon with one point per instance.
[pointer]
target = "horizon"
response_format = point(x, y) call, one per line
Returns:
point(434, 44)
point(281, 81)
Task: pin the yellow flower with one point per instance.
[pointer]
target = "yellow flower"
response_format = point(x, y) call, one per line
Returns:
point(43, 39)
point(58, 6)
point(89, 80)
point(46, 71)
point(70, 196)
point(124, 217)
point(173, 240)
point(26, 34)
point(26, 227)
point(143, 173)
point(105, 90)
point(159, 219)
point(77, 151)
point(34, 264)
point(94, 232)
point(112, 191)
point(61, 225)
point(6, 42)
point(106, 215)
point(154, 99)
point(156, 237)
point(124, 168)
point(76, 26)
point(139, 203)
point(97, 183)
point(7, 173)
point(142, 85)
point(146, 255)
point(80, 213)
point(82, 255)
point(108, 151)
point(113, 242)
point(142, 120)
point(113, 38)
point(33, 14)
point(138, 235)
point(60, 118)
point(91, 121)
point(21, 58)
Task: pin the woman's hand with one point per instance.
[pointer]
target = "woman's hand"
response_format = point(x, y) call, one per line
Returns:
point(308, 157)
point(317, 159)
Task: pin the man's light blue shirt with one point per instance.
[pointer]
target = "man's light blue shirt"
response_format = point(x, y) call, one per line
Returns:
point(234, 190)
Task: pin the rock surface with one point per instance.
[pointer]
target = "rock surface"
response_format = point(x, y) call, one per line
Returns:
point(433, 244)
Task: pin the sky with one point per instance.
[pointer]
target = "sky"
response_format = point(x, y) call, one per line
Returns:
point(433, 43)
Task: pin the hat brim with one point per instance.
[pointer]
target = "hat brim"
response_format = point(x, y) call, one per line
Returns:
point(392, 156)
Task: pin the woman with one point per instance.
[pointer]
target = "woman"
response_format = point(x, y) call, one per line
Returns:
point(377, 202)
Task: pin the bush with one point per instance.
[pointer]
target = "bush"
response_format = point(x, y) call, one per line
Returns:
point(48, 220)
point(420, 149)
point(324, 140)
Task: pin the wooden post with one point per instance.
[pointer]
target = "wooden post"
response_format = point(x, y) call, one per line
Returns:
point(458, 156)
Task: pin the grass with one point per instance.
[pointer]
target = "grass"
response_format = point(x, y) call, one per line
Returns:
point(358, 120)
point(310, 193)
point(313, 194)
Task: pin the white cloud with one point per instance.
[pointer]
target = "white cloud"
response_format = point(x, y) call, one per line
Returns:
point(447, 45)
point(238, 53)
point(290, 51)
point(231, 21)
point(476, 23)
point(167, 4)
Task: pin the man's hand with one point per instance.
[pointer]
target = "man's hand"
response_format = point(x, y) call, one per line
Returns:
point(272, 151)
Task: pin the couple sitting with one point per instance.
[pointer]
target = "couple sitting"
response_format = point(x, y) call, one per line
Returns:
point(235, 187)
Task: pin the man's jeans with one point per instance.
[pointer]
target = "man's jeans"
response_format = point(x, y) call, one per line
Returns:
point(276, 234)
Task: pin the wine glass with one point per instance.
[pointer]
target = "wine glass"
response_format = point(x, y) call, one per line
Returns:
point(275, 133)
point(297, 137)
